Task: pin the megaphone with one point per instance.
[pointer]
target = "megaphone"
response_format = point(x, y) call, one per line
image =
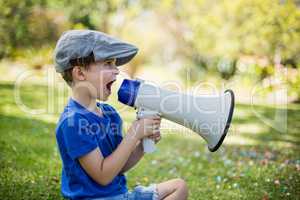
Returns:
point(207, 115)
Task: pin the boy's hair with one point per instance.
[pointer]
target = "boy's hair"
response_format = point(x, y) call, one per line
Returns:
point(84, 63)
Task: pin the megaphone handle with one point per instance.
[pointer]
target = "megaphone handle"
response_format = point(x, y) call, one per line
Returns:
point(148, 144)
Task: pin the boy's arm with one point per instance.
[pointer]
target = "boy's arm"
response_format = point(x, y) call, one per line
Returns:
point(103, 170)
point(138, 153)
point(134, 158)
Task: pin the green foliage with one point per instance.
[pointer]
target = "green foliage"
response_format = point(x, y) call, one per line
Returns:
point(230, 29)
point(293, 82)
point(25, 24)
point(33, 57)
point(34, 23)
point(251, 27)
point(203, 36)
point(227, 68)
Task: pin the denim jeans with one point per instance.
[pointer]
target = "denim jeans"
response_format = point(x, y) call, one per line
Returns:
point(138, 193)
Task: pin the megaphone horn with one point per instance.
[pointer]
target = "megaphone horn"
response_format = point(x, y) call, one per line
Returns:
point(207, 115)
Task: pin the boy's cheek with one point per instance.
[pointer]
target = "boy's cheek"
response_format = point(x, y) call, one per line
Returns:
point(101, 92)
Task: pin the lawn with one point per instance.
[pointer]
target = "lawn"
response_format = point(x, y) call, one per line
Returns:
point(256, 162)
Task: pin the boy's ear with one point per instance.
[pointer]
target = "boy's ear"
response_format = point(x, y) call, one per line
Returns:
point(78, 73)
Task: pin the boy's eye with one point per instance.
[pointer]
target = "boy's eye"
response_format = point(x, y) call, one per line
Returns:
point(109, 62)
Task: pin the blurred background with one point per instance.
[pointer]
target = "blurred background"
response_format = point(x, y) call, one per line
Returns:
point(244, 41)
point(252, 47)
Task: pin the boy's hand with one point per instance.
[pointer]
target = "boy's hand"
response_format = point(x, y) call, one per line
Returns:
point(156, 137)
point(145, 127)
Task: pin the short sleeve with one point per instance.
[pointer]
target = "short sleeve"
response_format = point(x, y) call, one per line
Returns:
point(78, 138)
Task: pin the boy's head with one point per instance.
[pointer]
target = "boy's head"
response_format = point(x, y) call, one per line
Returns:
point(88, 60)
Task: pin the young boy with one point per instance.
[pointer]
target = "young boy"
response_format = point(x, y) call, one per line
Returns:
point(94, 153)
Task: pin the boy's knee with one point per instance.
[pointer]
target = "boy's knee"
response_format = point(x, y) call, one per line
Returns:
point(181, 184)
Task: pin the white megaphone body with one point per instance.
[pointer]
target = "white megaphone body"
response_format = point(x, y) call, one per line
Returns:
point(208, 115)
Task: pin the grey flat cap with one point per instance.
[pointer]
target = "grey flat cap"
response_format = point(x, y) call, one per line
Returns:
point(81, 43)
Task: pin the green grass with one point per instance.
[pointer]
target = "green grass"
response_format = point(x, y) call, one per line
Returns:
point(257, 161)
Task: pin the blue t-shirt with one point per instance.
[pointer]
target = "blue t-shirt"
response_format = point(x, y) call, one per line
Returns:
point(78, 132)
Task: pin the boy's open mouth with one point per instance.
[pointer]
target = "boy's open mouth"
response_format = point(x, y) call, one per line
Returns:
point(108, 85)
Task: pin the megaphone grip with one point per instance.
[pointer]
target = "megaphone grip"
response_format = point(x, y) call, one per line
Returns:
point(148, 144)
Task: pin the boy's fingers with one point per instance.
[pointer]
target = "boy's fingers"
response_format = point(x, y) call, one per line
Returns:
point(154, 136)
point(156, 129)
point(153, 125)
point(152, 122)
point(151, 137)
point(158, 138)
point(156, 118)
point(156, 121)
point(157, 134)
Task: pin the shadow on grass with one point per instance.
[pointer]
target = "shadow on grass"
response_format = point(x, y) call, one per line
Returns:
point(29, 162)
point(7, 85)
point(233, 172)
point(270, 119)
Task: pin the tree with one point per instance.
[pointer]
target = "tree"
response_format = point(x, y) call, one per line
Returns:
point(229, 29)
